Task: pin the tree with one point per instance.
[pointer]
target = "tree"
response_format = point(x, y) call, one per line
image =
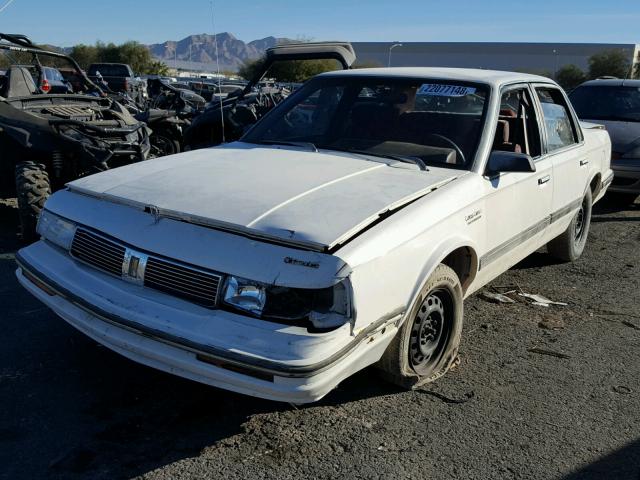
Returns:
point(570, 76)
point(157, 68)
point(85, 55)
point(288, 71)
point(366, 64)
point(250, 68)
point(609, 63)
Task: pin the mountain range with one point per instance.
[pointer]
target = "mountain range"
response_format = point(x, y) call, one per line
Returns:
point(196, 51)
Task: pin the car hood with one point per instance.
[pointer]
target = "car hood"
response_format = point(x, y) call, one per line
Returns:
point(312, 199)
point(624, 135)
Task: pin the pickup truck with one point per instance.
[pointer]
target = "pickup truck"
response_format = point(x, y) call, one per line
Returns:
point(317, 245)
point(120, 78)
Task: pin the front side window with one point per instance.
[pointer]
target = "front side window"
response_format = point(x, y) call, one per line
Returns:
point(517, 128)
point(557, 120)
point(438, 122)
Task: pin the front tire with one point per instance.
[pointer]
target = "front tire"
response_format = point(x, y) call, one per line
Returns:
point(32, 189)
point(569, 245)
point(427, 344)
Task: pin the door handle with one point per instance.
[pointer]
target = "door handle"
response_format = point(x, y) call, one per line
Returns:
point(584, 162)
point(543, 180)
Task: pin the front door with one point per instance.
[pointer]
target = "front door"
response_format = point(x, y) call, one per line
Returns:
point(518, 204)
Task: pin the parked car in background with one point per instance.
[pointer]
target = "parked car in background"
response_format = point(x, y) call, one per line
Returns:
point(48, 79)
point(279, 265)
point(615, 103)
point(120, 78)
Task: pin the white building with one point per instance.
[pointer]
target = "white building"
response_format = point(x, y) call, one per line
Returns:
point(529, 57)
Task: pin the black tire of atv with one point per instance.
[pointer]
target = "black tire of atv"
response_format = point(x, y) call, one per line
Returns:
point(32, 189)
point(172, 143)
point(396, 364)
point(569, 245)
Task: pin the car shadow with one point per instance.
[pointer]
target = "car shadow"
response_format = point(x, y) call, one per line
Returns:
point(622, 464)
point(119, 419)
point(537, 259)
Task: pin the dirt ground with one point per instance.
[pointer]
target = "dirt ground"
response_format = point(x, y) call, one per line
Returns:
point(540, 393)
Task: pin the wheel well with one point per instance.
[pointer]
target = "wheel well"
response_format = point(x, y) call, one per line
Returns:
point(464, 262)
point(595, 185)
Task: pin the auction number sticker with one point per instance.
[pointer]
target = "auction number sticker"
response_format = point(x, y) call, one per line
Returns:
point(442, 90)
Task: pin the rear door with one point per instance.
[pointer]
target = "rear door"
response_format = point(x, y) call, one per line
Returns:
point(563, 145)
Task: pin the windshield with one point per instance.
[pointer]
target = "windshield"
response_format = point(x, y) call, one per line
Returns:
point(425, 121)
point(607, 103)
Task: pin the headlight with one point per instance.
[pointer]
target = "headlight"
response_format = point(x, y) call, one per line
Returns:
point(56, 229)
point(321, 308)
point(245, 295)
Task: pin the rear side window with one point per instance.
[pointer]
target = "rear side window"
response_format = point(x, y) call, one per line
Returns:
point(558, 123)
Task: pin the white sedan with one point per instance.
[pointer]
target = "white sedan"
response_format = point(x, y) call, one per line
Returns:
point(324, 242)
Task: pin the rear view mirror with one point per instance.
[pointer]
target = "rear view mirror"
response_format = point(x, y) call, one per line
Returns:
point(500, 161)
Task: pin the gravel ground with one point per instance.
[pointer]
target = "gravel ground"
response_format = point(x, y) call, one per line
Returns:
point(513, 408)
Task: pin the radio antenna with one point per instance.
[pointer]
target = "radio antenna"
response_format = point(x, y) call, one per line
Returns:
point(215, 40)
point(6, 5)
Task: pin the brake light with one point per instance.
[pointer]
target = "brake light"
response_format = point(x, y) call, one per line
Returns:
point(46, 88)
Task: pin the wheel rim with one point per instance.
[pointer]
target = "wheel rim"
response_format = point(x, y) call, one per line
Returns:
point(580, 224)
point(431, 330)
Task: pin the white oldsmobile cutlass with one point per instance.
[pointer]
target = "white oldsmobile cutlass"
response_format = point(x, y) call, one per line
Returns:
point(344, 230)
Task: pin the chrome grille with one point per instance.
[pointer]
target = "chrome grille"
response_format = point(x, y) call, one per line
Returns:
point(192, 284)
point(98, 251)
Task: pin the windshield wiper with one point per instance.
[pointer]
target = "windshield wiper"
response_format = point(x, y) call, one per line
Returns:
point(400, 158)
point(309, 145)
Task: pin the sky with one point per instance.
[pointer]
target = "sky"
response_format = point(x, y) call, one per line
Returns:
point(68, 22)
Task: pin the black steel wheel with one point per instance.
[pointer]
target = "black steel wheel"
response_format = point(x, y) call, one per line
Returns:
point(426, 344)
point(569, 245)
point(431, 330)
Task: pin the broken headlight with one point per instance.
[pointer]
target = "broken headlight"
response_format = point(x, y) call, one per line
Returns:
point(321, 308)
point(55, 229)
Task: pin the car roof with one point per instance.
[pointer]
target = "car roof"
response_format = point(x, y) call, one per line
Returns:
point(495, 78)
point(611, 82)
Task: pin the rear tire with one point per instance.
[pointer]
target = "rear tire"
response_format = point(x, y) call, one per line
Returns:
point(569, 245)
point(32, 189)
point(427, 344)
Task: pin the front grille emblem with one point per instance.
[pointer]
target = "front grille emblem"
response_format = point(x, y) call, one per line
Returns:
point(133, 266)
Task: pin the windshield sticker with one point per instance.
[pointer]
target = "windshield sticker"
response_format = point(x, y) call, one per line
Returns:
point(441, 90)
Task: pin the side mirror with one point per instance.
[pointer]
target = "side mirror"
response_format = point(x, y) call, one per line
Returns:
point(500, 161)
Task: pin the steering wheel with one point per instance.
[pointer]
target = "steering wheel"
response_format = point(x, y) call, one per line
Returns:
point(450, 143)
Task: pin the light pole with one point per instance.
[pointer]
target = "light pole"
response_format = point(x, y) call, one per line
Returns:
point(391, 48)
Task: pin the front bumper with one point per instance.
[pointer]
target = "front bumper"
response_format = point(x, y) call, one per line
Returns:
point(275, 363)
point(626, 176)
